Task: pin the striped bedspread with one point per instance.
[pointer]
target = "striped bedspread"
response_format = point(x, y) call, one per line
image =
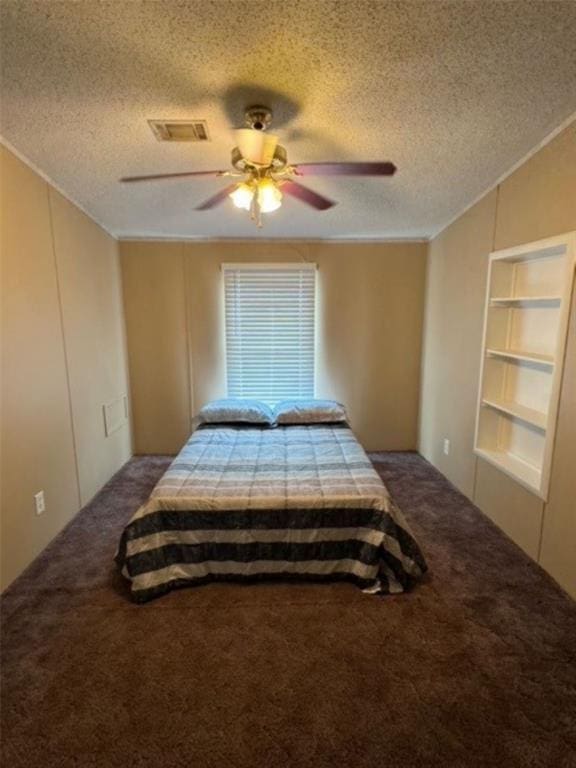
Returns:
point(246, 503)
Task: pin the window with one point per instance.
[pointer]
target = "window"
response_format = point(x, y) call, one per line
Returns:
point(270, 330)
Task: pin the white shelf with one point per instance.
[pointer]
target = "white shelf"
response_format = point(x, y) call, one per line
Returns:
point(527, 308)
point(527, 357)
point(531, 416)
point(527, 474)
point(506, 301)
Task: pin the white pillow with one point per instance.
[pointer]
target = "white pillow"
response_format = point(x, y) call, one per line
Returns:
point(309, 412)
point(236, 410)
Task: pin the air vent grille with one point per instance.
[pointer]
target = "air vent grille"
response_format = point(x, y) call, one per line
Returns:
point(180, 130)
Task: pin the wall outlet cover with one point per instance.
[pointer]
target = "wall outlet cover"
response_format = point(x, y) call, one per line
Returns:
point(446, 446)
point(39, 502)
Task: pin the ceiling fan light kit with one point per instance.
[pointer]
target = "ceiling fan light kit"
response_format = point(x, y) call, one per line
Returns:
point(263, 165)
point(257, 196)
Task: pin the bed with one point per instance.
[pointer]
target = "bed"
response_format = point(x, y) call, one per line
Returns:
point(249, 503)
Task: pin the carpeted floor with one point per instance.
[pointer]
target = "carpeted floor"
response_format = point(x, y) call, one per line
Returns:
point(476, 667)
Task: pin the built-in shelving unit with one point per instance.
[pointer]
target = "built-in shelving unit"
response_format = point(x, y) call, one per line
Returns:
point(525, 325)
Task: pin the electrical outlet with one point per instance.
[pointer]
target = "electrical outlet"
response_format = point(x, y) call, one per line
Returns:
point(446, 446)
point(40, 503)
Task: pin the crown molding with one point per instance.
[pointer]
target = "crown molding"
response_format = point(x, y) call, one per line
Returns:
point(33, 167)
point(524, 159)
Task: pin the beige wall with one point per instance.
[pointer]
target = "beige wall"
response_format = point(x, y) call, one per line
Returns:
point(93, 324)
point(536, 201)
point(369, 332)
point(155, 305)
point(457, 270)
point(62, 359)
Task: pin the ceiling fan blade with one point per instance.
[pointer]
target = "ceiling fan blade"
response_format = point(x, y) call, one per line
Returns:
point(160, 176)
point(216, 199)
point(256, 146)
point(307, 196)
point(346, 169)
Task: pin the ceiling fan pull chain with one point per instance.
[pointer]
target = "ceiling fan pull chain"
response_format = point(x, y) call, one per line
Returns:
point(255, 213)
point(258, 212)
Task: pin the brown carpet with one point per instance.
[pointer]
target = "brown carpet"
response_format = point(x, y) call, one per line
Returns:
point(475, 667)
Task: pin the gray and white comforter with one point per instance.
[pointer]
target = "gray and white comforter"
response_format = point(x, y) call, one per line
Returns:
point(247, 503)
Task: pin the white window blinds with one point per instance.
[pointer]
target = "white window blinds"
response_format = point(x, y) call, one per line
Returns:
point(270, 330)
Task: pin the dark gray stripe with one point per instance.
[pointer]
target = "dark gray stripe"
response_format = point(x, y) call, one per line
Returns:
point(171, 520)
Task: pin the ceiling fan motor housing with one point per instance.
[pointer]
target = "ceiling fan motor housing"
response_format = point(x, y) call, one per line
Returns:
point(258, 118)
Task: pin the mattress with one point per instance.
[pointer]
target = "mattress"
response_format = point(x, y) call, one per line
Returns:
point(247, 503)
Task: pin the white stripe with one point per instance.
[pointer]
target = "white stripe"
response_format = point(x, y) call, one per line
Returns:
point(253, 536)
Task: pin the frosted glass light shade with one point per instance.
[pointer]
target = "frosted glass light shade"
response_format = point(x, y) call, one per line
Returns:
point(269, 196)
point(242, 196)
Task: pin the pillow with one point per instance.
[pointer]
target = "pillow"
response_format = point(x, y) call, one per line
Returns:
point(236, 410)
point(309, 412)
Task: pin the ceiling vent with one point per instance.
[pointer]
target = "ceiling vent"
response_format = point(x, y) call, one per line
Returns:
point(180, 130)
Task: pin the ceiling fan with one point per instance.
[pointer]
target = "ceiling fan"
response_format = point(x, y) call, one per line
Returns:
point(262, 165)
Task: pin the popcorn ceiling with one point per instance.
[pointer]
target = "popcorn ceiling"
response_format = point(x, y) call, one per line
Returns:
point(454, 93)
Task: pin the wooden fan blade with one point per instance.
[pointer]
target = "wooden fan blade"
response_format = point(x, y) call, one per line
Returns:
point(160, 176)
point(307, 196)
point(216, 199)
point(346, 169)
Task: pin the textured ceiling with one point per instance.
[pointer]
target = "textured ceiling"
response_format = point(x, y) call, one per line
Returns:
point(454, 93)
